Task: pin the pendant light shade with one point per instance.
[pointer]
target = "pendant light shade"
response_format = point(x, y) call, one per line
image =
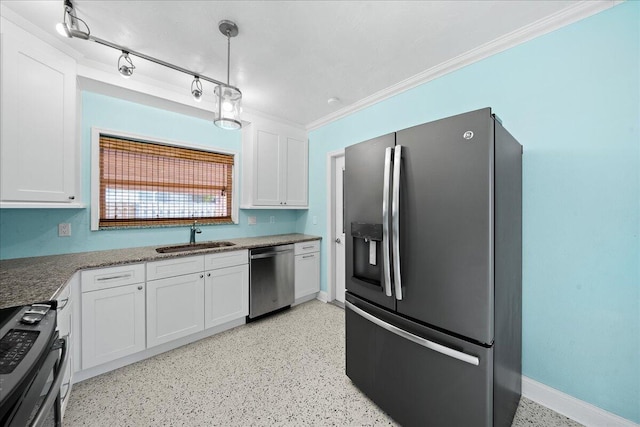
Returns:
point(228, 107)
point(228, 99)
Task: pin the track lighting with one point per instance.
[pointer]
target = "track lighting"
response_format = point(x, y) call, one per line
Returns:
point(69, 25)
point(125, 65)
point(196, 88)
point(227, 98)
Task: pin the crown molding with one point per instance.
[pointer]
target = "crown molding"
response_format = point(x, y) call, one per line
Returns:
point(551, 23)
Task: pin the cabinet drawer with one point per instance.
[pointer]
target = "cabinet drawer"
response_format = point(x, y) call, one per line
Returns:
point(175, 267)
point(105, 278)
point(225, 259)
point(306, 247)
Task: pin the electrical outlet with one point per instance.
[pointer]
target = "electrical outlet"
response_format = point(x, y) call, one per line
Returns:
point(315, 220)
point(252, 220)
point(64, 229)
point(272, 219)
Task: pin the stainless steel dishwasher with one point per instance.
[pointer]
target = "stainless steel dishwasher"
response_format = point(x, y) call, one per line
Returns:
point(271, 279)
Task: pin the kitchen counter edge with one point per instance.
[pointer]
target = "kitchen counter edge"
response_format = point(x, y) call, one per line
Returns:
point(27, 280)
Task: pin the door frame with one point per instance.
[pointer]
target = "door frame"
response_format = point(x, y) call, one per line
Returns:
point(331, 220)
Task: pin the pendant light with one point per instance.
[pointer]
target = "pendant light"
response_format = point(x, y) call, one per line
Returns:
point(228, 99)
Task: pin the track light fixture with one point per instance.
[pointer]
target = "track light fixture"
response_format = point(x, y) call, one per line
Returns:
point(125, 65)
point(69, 25)
point(196, 88)
point(227, 98)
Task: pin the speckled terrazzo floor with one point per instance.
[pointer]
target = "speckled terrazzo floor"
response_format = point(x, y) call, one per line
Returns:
point(286, 370)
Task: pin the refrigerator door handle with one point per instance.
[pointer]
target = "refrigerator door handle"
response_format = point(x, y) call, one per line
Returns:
point(385, 222)
point(464, 357)
point(395, 220)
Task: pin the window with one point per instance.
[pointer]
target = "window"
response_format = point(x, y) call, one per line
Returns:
point(148, 183)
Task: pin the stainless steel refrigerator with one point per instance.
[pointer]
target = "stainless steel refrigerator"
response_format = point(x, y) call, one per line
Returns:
point(434, 271)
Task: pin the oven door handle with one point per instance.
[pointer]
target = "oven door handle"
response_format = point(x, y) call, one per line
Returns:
point(54, 391)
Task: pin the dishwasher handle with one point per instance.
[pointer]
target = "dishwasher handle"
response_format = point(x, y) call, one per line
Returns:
point(270, 254)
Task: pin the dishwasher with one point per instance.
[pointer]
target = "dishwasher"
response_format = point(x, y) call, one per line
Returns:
point(271, 279)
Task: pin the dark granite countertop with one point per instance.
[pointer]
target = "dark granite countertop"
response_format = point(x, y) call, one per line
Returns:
point(26, 280)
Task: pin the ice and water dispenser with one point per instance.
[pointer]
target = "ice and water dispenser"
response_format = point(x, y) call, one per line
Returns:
point(367, 253)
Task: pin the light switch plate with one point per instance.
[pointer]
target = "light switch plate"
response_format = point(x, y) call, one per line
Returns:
point(252, 220)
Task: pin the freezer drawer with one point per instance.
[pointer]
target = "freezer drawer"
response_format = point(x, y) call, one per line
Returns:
point(448, 382)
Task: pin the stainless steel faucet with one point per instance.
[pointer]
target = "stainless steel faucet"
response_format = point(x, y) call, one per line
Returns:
point(194, 230)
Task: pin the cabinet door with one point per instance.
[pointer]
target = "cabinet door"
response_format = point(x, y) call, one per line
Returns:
point(307, 276)
point(112, 324)
point(38, 114)
point(174, 308)
point(64, 320)
point(226, 295)
point(267, 179)
point(297, 172)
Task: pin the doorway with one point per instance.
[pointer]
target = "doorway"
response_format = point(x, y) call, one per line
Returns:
point(335, 226)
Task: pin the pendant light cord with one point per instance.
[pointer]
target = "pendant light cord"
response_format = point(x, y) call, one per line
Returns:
point(228, 54)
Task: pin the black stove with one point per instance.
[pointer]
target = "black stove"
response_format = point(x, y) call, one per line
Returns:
point(31, 361)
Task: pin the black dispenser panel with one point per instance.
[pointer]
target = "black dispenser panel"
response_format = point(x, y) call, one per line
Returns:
point(365, 235)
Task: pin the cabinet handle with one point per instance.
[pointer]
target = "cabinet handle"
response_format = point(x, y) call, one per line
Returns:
point(68, 384)
point(308, 256)
point(307, 247)
point(72, 197)
point(202, 276)
point(139, 287)
point(208, 274)
point(119, 276)
point(63, 303)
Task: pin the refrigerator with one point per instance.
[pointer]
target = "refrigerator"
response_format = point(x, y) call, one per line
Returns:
point(434, 271)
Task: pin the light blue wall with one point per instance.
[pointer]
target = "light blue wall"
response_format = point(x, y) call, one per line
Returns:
point(572, 100)
point(34, 232)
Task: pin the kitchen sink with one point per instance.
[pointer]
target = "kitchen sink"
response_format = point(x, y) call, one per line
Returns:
point(193, 247)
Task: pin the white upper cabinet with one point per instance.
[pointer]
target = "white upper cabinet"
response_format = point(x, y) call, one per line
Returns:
point(37, 138)
point(275, 167)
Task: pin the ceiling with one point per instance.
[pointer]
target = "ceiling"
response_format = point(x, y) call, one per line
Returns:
point(290, 57)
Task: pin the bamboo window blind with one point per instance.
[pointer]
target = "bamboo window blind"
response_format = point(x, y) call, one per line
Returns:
point(143, 184)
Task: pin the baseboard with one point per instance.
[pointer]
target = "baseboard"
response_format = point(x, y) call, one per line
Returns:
point(304, 299)
point(323, 296)
point(576, 409)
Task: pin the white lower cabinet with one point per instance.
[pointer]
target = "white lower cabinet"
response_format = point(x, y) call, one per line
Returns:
point(65, 321)
point(174, 308)
point(226, 295)
point(113, 323)
point(307, 269)
point(143, 308)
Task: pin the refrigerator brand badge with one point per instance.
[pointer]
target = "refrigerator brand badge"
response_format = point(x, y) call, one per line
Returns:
point(468, 135)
